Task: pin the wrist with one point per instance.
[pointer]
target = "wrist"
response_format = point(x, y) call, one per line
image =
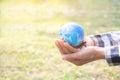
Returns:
point(100, 52)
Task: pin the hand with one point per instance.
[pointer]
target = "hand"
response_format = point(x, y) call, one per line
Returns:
point(89, 41)
point(85, 55)
point(62, 46)
point(79, 56)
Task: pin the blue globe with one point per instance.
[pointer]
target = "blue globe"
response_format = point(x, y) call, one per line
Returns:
point(72, 33)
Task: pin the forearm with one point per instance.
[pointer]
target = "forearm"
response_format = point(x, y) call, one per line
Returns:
point(101, 52)
point(111, 54)
point(109, 44)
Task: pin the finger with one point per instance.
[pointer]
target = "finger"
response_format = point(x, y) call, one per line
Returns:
point(58, 46)
point(66, 46)
point(74, 61)
point(70, 48)
point(65, 50)
point(71, 57)
point(81, 62)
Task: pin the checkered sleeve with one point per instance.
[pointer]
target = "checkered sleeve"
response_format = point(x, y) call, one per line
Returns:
point(112, 55)
point(110, 41)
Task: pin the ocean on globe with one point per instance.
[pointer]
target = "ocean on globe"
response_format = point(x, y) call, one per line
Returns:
point(72, 33)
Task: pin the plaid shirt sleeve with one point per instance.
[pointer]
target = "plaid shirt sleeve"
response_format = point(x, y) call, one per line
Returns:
point(111, 43)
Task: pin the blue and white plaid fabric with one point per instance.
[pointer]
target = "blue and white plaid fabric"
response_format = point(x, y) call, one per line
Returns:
point(111, 43)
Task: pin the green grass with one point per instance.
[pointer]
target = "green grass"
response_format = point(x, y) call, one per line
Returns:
point(28, 29)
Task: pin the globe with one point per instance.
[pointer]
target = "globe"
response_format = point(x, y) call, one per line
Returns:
point(72, 33)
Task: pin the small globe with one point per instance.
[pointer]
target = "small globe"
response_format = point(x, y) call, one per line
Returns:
point(72, 33)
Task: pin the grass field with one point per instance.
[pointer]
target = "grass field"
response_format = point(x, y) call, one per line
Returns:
point(28, 29)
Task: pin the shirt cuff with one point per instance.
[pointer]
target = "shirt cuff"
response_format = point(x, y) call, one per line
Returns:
point(112, 55)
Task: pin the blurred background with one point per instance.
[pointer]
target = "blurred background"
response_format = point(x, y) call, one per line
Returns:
point(28, 29)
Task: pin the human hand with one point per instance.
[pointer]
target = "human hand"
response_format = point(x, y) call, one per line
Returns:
point(85, 55)
point(62, 46)
point(65, 48)
point(79, 56)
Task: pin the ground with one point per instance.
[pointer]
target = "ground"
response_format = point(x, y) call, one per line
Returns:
point(28, 29)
